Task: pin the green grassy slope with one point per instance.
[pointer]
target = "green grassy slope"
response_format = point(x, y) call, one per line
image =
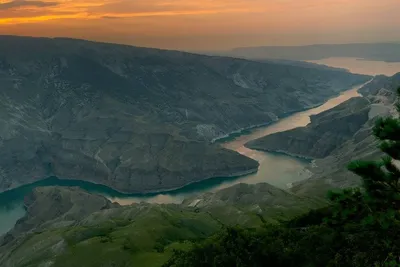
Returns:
point(143, 234)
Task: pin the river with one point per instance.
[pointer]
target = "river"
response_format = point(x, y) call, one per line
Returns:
point(276, 169)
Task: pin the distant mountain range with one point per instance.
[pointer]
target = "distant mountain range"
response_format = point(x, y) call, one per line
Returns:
point(389, 52)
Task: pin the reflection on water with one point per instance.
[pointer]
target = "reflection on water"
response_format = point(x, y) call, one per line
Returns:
point(361, 66)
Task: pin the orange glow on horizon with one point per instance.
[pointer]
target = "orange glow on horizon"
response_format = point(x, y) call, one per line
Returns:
point(206, 24)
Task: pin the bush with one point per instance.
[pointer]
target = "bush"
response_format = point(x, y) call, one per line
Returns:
point(130, 245)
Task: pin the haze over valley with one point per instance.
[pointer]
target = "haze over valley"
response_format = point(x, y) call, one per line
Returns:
point(83, 131)
point(190, 134)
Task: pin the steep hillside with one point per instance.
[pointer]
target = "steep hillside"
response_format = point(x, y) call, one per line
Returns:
point(331, 172)
point(137, 119)
point(336, 137)
point(138, 235)
point(48, 207)
point(326, 132)
point(246, 204)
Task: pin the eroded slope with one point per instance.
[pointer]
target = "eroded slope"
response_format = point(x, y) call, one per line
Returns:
point(137, 119)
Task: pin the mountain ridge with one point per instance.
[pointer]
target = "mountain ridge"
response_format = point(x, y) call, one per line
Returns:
point(345, 129)
point(388, 52)
point(318, 139)
point(135, 119)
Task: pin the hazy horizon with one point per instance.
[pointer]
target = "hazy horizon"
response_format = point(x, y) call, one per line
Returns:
point(209, 26)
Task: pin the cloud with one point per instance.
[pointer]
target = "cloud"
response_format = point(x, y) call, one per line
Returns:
point(109, 17)
point(205, 23)
point(23, 11)
point(25, 3)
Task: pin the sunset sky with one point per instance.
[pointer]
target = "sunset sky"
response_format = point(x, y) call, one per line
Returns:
point(205, 24)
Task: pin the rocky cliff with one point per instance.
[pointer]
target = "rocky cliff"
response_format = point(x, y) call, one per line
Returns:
point(137, 119)
point(335, 137)
point(325, 133)
point(330, 171)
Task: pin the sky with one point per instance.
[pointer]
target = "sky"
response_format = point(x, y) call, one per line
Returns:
point(200, 25)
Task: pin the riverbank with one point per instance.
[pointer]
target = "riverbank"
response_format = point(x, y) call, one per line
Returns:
point(105, 190)
point(249, 130)
point(351, 113)
point(282, 152)
point(227, 137)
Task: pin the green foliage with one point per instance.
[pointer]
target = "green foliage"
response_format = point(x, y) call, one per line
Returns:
point(84, 233)
point(360, 228)
point(129, 244)
point(241, 247)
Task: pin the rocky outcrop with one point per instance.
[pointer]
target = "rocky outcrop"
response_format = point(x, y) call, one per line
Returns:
point(327, 131)
point(331, 172)
point(336, 137)
point(137, 119)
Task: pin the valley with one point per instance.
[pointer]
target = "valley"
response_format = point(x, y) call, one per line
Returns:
point(335, 137)
point(139, 120)
point(215, 133)
point(286, 171)
point(235, 181)
point(83, 222)
point(115, 115)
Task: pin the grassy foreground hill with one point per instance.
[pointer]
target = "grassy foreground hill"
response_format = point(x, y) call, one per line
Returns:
point(95, 232)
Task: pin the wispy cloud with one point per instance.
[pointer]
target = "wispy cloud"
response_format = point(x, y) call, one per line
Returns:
point(30, 11)
point(25, 3)
point(203, 23)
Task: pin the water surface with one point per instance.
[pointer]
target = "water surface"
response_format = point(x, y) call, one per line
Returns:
point(361, 66)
